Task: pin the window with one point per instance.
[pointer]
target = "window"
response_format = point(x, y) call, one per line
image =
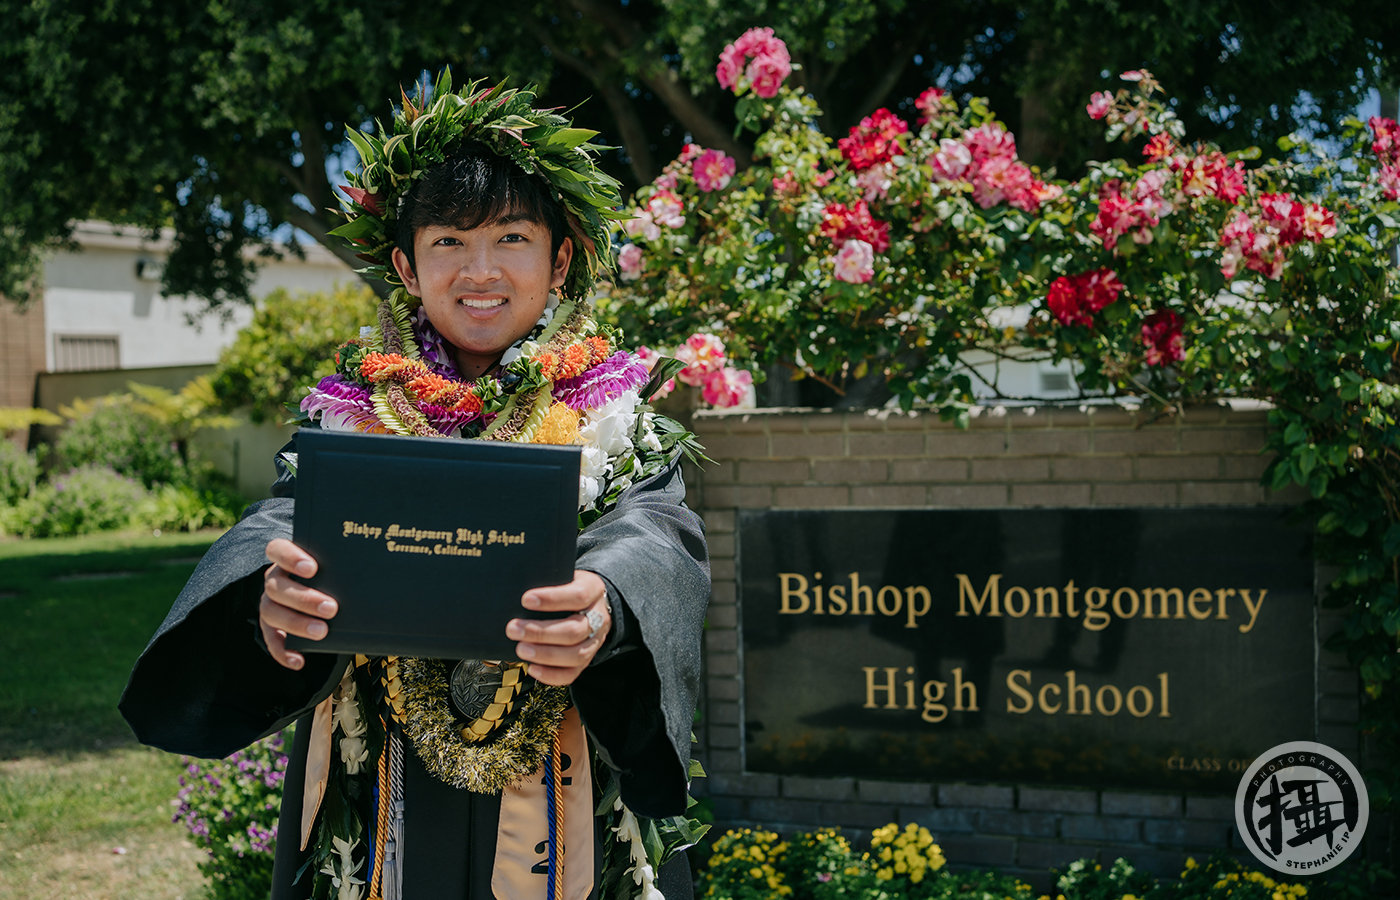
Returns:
point(1054, 381)
point(78, 353)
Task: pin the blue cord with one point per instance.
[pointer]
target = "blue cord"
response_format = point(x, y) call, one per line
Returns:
point(553, 827)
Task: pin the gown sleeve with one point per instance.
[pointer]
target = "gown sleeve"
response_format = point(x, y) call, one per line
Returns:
point(205, 685)
point(639, 705)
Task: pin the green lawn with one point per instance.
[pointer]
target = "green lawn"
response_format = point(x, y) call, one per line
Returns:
point(74, 786)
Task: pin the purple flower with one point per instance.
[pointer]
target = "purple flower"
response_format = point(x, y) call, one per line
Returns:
point(433, 347)
point(612, 377)
point(342, 404)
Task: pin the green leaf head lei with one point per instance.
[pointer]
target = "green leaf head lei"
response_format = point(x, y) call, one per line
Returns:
point(433, 124)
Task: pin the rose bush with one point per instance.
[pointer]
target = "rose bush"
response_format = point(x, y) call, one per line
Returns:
point(1177, 275)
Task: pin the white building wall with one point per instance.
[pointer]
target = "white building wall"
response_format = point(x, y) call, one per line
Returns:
point(99, 291)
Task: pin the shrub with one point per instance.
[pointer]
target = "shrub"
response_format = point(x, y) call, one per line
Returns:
point(230, 807)
point(85, 500)
point(19, 472)
point(183, 507)
point(113, 433)
point(289, 345)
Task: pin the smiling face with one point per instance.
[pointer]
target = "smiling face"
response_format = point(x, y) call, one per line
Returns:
point(483, 288)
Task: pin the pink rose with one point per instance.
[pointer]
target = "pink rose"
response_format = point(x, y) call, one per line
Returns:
point(771, 64)
point(702, 354)
point(952, 160)
point(641, 225)
point(726, 387)
point(667, 181)
point(991, 141)
point(1318, 222)
point(1100, 102)
point(666, 209)
point(712, 170)
point(629, 260)
point(1390, 182)
point(855, 262)
point(731, 66)
point(766, 73)
point(1133, 75)
point(876, 181)
point(689, 152)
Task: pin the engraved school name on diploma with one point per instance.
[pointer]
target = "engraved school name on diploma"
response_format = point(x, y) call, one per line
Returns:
point(469, 542)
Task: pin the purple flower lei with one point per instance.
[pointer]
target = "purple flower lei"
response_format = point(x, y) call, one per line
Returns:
point(610, 379)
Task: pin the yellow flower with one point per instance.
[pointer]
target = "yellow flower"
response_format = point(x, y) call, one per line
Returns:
point(1190, 862)
point(884, 874)
point(917, 877)
point(756, 872)
point(886, 854)
point(901, 867)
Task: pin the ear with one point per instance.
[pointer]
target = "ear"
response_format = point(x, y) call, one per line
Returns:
point(410, 278)
point(561, 263)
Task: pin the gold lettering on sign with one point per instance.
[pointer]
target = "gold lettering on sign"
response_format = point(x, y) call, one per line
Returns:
point(934, 711)
point(1096, 607)
point(860, 592)
point(1081, 699)
point(966, 594)
point(921, 592)
point(1074, 695)
point(1040, 594)
point(1162, 595)
point(898, 600)
point(1019, 690)
point(958, 687)
point(871, 687)
point(1095, 599)
point(1252, 607)
point(1024, 607)
point(785, 578)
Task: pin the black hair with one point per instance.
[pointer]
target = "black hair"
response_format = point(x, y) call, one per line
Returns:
point(474, 187)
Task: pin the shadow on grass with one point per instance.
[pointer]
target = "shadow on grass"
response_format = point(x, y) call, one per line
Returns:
point(77, 612)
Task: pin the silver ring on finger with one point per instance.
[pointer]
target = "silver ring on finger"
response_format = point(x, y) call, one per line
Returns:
point(595, 622)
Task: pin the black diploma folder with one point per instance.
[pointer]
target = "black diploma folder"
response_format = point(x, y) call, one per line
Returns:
point(429, 543)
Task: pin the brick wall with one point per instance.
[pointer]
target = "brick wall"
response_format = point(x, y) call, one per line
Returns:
point(1017, 458)
point(21, 352)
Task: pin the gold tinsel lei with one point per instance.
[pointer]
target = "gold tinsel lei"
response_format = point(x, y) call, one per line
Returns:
point(485, 767)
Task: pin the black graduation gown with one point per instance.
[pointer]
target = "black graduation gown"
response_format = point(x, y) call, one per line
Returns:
point(205, 685)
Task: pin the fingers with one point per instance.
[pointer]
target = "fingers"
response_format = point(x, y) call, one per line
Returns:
point(277, 647)
point(585, 590)
point(290, 558)
point(559, 650)
point(296, 596)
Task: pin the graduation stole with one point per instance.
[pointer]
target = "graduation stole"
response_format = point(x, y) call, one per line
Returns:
point(539, 762)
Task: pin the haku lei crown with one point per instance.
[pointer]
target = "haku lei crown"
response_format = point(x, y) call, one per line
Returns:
point(435, 123)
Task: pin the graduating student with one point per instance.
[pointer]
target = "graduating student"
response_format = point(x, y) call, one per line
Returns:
point(436, 779)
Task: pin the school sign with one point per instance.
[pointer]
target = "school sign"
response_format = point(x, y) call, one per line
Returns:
point(1147, 648)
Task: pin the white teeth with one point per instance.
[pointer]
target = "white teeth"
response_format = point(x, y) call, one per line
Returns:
point(482, 304)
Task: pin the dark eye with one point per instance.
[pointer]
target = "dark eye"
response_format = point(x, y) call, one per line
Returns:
point(447, 241)
point(513, 238)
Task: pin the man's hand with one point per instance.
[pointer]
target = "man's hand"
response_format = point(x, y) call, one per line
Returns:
point(289, 607)
point(558, 650)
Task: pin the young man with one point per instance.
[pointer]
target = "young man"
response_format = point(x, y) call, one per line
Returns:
point(475, 346)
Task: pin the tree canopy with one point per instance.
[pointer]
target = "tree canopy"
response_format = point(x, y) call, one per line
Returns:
point(221, 118)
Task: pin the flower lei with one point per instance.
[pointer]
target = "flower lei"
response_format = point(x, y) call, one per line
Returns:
point(566, 382)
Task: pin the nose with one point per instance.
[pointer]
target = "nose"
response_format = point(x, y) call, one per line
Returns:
point(479, 266)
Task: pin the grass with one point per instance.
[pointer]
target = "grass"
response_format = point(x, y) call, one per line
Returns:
point(74, 786)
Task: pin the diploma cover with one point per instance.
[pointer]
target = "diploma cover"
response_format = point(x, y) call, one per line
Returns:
point(428, 543)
